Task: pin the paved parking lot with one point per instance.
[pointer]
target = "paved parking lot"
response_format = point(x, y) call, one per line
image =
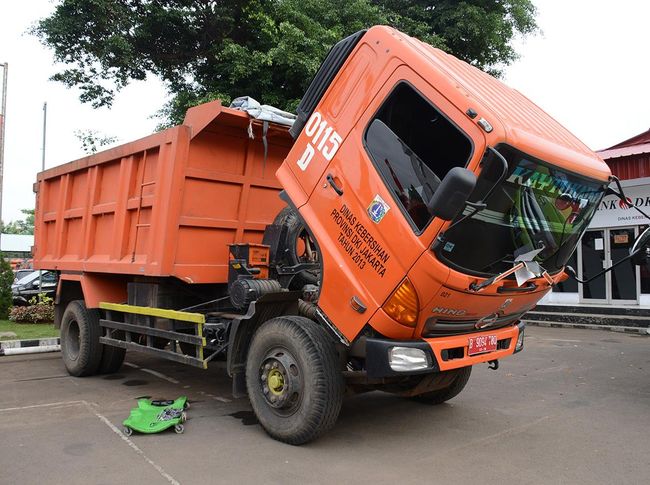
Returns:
point(574, 407)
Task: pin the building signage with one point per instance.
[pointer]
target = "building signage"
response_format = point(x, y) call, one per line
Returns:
point(613, 212)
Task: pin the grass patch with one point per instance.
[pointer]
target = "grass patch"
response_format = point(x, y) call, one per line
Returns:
point(28, 330)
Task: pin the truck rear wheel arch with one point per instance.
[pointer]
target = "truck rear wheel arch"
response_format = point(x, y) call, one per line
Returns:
point(68, 291)
point(80, 347)
point(71, 291)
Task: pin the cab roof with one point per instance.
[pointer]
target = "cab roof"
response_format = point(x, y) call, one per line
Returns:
point(516, 119)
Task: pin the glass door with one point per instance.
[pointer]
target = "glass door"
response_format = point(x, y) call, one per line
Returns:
point(598, 249)
point(592, 261)
point(624, 279)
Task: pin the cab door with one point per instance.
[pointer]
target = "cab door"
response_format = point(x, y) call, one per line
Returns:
point(368, 210)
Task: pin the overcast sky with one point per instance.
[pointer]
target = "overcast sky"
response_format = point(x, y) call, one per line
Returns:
point(588, 69)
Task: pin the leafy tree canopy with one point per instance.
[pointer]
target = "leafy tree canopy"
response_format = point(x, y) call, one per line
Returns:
point(268, 49)
point(23, 226)
point(92, 140)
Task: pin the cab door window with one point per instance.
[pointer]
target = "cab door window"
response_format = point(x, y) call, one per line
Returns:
point(413, 146)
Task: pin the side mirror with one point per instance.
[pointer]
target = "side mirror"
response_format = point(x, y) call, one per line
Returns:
point(452, 193)
point(641, 248)
point(36, 284)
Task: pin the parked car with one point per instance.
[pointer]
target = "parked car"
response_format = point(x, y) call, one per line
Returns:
point(30, 285)
point(19, 274)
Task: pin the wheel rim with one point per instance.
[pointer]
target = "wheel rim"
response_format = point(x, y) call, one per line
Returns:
point(73, 340)
point(281, 381)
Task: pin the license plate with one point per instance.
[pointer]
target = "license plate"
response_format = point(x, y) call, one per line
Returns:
point(482, 344)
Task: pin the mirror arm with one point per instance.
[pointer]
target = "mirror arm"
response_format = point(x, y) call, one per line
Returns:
point(477, 206)
point(572, 272)
point(481, 204)
point(504, 172)
point(621, 195)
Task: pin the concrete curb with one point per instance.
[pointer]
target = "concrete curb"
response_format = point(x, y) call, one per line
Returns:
point(610, 328)
point(33, 346)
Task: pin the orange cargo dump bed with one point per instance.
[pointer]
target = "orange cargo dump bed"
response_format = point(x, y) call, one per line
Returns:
point(165, 205)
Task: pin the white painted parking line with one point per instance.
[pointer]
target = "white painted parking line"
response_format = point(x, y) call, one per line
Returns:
point(161, 375)
point(105, 420)
point(48, 405)
point(217, 398)
point(131, 444)
point(174, 381)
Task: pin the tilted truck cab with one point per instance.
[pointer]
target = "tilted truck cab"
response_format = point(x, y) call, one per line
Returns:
point(393, 237)
point(371, 155)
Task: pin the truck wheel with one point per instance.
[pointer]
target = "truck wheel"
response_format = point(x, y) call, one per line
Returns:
point(445, 394)
point(80, 345)
point(293, 379)
point(112, 359)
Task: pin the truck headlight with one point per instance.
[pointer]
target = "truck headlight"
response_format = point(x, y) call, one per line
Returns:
point(408, 359)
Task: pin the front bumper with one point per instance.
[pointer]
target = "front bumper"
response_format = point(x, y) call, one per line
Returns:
point(444, 353)
point(19, 298)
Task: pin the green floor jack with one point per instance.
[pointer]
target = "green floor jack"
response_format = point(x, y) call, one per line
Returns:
point(154, 416)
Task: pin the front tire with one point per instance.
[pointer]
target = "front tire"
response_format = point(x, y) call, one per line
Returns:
point(80, 345)
point(445, 394)
point(293, 379)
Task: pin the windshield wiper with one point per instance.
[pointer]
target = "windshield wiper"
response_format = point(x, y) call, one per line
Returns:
point(524, 269)
point(534, 221)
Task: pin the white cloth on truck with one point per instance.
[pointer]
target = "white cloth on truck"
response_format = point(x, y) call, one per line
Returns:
point(263, 112)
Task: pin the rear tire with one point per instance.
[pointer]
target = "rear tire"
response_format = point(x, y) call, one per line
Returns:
point(112, 359)
point(451, 391)
point(80, 347)
point(293, 379)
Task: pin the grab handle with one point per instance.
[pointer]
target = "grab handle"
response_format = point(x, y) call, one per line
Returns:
point(331, 181)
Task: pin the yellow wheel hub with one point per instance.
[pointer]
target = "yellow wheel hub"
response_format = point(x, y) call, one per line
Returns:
point(276, 382)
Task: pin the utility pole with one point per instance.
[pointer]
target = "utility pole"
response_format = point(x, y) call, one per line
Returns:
point(3, 122)
point(40, 273)
point(44, 132)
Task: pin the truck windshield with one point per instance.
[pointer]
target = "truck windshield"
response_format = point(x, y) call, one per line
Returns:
point(536, 206)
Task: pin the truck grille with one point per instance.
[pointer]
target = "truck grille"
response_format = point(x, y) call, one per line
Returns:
point(436, 327)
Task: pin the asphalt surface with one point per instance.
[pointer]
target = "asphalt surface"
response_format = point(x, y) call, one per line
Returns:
point(574, 407)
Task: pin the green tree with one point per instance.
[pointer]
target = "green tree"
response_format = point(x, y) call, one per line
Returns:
point(21, 226)
point(268, 49)
point(477, 31)
point(92, 140)
point(6, 279)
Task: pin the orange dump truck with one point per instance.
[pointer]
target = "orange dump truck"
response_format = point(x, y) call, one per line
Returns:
point(391, 239)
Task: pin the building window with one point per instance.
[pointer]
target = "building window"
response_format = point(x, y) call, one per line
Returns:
point(414, 146)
